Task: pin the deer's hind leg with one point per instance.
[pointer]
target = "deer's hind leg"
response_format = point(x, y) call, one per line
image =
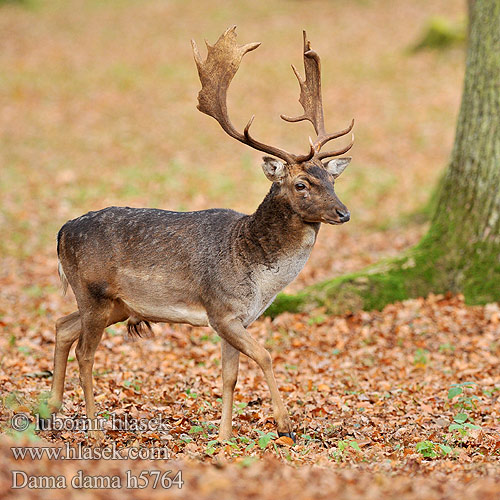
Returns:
point(68, 330)
point(96, 314)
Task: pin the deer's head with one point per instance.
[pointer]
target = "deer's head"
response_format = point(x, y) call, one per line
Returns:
point(307, 181)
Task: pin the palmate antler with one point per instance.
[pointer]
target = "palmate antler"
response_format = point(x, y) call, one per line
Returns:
point(216, 73)
point(312, 102)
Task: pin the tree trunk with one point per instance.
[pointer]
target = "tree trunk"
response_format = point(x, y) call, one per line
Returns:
point(461, 251)
point(466, 224)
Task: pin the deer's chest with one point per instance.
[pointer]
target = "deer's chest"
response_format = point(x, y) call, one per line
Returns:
point(269, 280)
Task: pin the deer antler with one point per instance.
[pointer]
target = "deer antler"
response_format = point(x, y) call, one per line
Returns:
point(222, 63)
point(311, 101)
point(218, 70)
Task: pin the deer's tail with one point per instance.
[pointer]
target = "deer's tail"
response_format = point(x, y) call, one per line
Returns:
point(60, 270)
point(62, 276)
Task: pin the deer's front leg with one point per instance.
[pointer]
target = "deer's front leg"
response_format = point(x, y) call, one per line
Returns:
point(230, 363)
point(235, 334)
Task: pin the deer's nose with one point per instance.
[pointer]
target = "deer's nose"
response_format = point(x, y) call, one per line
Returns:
point(344, 215)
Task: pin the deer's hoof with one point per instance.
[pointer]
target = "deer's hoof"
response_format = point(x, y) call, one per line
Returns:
point(291, 435)
point(53, 406)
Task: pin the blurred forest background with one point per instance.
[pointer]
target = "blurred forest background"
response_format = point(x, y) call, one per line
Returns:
point(98, 108)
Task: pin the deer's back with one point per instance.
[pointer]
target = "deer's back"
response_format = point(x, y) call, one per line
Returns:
point(148, 258)
point(128, 230)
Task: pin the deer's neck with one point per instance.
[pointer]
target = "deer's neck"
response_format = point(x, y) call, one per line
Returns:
point(275, 230)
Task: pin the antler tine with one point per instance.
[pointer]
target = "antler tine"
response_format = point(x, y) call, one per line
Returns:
point(309, 155)
point(216, 73)
point(321, 141)
point(328, 154)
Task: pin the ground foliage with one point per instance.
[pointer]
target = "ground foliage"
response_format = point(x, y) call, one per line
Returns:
point(384, 403)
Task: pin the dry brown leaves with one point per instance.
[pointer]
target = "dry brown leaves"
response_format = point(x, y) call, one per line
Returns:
point(363, 391)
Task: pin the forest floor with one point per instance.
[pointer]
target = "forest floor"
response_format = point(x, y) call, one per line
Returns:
point(402, 403)
point(97, 108)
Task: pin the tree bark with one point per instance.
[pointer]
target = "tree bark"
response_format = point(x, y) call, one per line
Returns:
point(461, 251)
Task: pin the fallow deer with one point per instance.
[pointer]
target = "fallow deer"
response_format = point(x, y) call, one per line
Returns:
point(216, 267)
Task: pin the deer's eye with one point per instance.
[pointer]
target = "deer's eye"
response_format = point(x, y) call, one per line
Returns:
point(300, 186)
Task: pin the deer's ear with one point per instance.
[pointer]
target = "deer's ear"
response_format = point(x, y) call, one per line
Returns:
point(337, 165)
point(273, 168)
